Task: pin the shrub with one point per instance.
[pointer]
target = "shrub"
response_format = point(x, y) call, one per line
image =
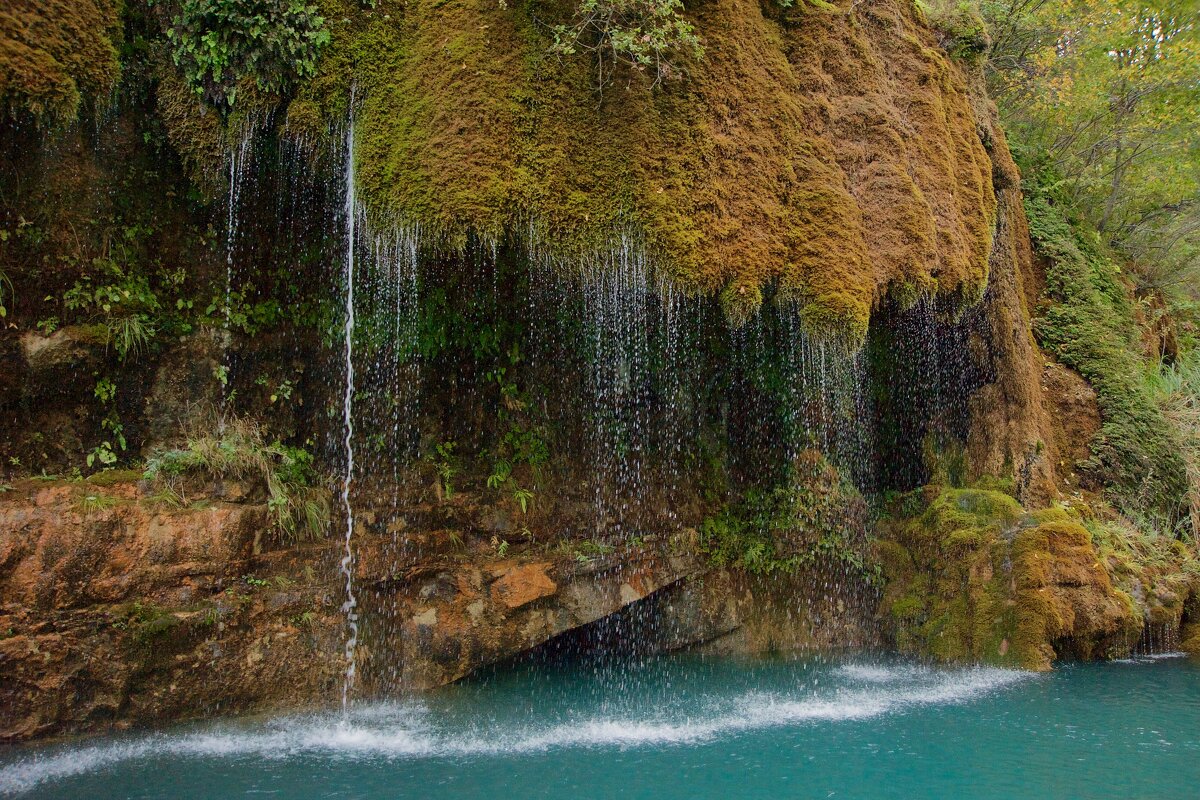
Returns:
point(221, 43)
point(960, 27)
point(814, 519)
point(643, 34)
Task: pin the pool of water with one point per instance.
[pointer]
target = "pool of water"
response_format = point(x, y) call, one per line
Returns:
point(683, 727)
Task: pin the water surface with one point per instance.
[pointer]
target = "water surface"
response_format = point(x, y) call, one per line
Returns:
point(683, 727)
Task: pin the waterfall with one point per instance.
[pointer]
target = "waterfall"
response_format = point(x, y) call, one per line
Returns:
point(239, 157)
point(641, 378)
point(350, 604)
point(616, 306)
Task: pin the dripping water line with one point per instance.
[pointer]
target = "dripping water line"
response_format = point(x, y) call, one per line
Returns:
point(350, 604)
point(230, 235)
point(230, 243)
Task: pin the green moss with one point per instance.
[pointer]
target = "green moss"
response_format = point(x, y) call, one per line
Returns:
point(908, 608)
point(997, 484)
point(94, 333)
point(1087, 322)
point(304, 120)
point(823, 158)
point(113, 477)
point(1053, 514)
point(984, 581)
point(741, 302)
point(146, 621)
point(970, 509)
point(1189, 640)
point(197, 133)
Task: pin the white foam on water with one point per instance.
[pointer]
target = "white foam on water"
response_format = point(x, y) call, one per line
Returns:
point(882, 673)
point(1147, 658)
point(406, 731)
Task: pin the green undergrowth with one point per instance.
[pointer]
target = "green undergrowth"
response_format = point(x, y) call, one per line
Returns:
point(1087, 321)
point(960, 26)
point(239, 451)
point(218, 44)
point(816, 520)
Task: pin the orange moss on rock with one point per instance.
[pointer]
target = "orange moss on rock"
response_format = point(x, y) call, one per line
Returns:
point(898, 114)
point(834, 155)
point(1064, 596)
point(53, 53)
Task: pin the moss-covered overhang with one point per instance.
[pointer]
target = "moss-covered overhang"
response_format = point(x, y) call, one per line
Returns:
point(54, 54)
point(834, 156)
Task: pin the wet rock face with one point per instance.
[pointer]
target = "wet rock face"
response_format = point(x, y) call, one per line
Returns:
point(64, 360)
point(115, 610)
point(46, 390)
point(182, 390)
point(517, 586)
point(118, 608)
point(1072, 404)
point(442, 618)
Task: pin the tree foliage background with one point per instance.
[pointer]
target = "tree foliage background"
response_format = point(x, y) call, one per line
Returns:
point(1106, 95)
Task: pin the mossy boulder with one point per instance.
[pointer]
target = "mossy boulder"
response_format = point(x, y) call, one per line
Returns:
point(975, 578)
point(1066, 603)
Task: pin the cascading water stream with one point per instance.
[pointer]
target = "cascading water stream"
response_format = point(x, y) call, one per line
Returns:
point(349, 606)
point(238, 159)
point(616, 295)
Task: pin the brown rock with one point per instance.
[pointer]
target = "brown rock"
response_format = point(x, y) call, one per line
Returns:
point(521, 585)
point(103, 607)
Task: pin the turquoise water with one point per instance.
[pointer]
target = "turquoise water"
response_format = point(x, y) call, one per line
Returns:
point(684, 728)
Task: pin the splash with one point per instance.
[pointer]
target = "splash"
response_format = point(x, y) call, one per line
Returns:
point(413, 731)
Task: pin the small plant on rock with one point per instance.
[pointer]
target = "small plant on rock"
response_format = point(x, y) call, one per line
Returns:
point(240, 450)
point(446, 466)
point(6, 293)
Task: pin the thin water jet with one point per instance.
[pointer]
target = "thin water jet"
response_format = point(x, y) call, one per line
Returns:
point(350, 604)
